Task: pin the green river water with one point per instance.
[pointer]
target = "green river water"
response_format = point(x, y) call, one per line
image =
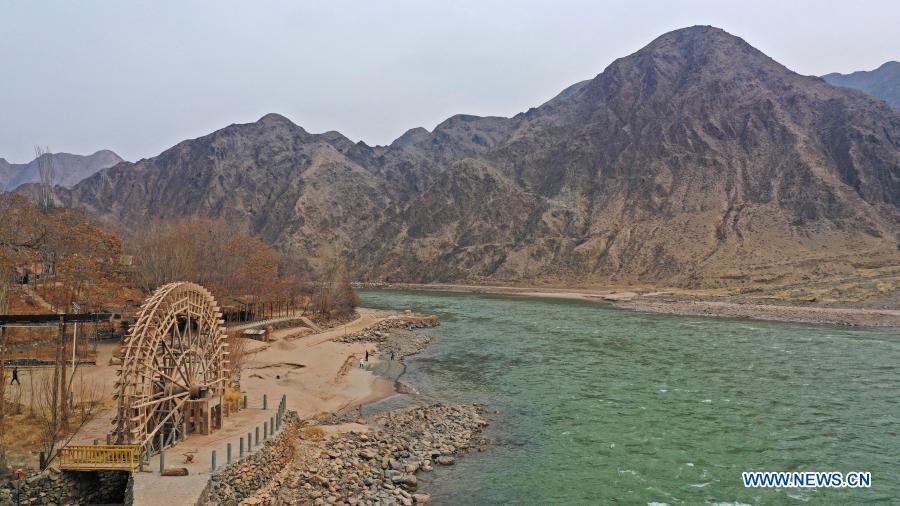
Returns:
point(606, 406)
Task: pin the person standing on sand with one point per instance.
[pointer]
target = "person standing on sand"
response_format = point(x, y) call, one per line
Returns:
point(360, 363)
point(15, 376)
point(367, 355)
point(392, 354)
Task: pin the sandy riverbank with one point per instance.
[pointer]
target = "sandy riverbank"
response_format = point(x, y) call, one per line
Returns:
point(686, 303)
point(340, 456)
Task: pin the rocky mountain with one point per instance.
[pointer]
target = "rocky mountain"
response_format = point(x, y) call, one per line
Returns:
point(697, 161)
point(68, 169)
point(883, 82)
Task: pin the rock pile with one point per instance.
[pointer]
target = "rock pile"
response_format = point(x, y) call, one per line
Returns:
point(381, 330)
point(345, 464)
point(395, 335)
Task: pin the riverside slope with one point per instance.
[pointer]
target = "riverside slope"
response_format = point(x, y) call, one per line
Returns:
point(697, 161)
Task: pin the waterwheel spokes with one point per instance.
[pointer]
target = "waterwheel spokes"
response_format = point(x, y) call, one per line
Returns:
point(175, 352)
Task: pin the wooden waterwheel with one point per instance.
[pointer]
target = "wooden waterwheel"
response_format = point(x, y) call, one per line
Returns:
point(174, 369)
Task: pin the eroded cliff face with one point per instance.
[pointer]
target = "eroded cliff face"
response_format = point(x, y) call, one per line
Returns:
point(697, 161)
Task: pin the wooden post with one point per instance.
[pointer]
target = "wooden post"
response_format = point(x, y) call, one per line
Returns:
point(257, 436)
point(54, 395)
point(162, 454)
point(241, 448)
point(2, 390)
point(249, 442)
point(74, 346)
point(63, 377)
point(228, 454)
point(213, 460)
point(265, 404)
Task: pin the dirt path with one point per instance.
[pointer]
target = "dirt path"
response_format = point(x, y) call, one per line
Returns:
point(38, 299)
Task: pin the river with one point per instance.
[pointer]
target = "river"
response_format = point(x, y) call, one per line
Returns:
point(599, 405)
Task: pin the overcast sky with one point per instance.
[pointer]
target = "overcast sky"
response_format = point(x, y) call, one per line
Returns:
point(138, 77)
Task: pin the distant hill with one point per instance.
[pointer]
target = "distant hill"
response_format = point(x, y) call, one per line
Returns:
point(883, 82)
point(697, 161)
point(68, 170)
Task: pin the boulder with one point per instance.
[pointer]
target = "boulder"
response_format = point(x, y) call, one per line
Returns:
point(446, 460)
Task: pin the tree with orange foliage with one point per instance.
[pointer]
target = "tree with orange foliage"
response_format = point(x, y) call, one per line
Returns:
point(79, 257)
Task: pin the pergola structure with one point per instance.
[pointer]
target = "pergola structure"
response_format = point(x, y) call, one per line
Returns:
point(174, 369)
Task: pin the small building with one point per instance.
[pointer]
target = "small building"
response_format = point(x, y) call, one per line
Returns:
point(257, 334)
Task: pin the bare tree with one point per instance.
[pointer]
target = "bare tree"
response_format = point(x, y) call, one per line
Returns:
point(46, 172)
point(163, 256)
point(5, 289)
point(54, 435)
point(334, 294)
point(236, 353)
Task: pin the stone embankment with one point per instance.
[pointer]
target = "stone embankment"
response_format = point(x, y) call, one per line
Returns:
point(51, 487)
point(241, 481)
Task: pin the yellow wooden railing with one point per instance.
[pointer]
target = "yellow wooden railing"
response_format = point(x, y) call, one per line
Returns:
point(100, 458)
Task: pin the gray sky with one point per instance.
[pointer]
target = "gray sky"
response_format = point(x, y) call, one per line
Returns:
point(138, 77)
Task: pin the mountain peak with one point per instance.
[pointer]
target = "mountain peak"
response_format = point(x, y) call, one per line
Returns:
point(412, 136)
point(682, 65)
point(275, 119)
point(706, 32)
point(106, 152)
point(704, 44)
